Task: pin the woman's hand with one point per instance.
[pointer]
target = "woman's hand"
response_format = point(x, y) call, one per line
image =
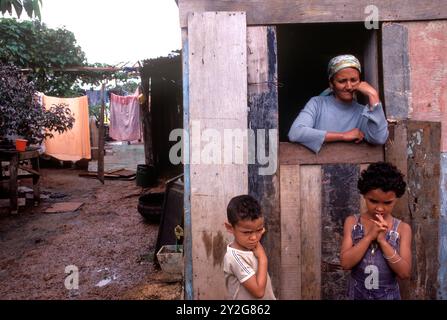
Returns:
point(353, 135)
point(366, 89)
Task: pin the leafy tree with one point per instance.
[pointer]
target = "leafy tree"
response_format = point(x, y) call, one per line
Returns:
point(20, 112)
point(31, 45)
point(32, 7)
point(47, 53)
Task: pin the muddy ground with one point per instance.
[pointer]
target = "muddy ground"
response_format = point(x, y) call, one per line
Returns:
point(106, 239)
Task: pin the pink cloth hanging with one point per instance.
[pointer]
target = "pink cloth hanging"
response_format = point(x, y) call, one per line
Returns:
point(124, 118)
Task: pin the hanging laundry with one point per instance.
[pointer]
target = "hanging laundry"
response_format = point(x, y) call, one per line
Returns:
point(94, 97)
point(72, 145)
point(124, 118)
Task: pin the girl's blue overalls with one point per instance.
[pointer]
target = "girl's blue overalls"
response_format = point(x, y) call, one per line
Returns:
point(373, 267)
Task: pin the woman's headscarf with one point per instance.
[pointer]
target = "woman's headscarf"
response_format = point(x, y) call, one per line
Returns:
point(341, 62)
point(338, 63)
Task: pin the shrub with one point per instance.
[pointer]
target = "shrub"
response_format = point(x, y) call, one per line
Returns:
point(20, 112)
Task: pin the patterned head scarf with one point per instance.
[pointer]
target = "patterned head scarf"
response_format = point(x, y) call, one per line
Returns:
point(341, 62)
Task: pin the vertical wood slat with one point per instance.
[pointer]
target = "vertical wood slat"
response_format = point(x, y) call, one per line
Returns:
point(36, 180)
point(396, 153)
point(291, 233)
point(371, 61)
point(13, 194)
point(396, 71)
point(217, 100)
point(424, 156)
point(363, 166)
point(263, 115)
point(310, 178)
point(442, 273)
point(339, 200)
point(187, 242)
point(101, 141)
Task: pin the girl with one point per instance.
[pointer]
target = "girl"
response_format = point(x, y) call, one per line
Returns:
point(376, 246)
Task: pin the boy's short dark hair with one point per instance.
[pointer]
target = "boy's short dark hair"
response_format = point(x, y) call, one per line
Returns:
point(383, 176)
point(243, 207)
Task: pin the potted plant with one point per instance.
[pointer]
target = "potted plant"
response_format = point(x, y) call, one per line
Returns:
point(170, 257)
point(21, 115)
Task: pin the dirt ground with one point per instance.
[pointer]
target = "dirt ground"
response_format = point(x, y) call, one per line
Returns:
point(106, 239)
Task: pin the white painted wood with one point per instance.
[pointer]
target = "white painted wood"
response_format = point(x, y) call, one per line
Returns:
point(257, 55)
point(217, 101)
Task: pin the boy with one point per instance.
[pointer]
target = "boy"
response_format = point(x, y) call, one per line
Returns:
point(245, 263)
point(377, 246)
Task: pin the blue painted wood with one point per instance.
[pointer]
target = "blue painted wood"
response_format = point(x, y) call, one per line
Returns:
point(188, 277)
point(442, 272)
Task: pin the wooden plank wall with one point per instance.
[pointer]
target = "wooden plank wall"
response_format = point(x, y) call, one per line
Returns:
point(263, 114)
point(268, 12)
point(217, 100)
point(411, 50)
point(317, 194)
point(414, 147)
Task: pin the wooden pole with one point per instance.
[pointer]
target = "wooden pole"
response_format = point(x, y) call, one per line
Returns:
point(146, 116)
point(101, 139)
point(13, 167)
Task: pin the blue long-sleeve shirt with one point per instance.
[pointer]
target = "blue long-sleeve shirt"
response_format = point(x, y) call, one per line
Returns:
point(324, 114)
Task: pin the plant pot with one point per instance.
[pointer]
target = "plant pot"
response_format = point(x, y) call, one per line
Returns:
point(170, 260)
point(21, 144)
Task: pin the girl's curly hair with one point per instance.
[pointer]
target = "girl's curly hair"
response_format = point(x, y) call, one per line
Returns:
point(383, 176)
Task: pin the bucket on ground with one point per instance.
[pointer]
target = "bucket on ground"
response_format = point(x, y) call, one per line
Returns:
point(150, 206)
point(146, 176)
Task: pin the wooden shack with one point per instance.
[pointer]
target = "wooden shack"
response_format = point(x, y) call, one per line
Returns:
point(253, 65)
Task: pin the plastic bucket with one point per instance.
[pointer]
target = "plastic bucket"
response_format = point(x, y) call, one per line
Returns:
point(146, 176)
point(21, 144)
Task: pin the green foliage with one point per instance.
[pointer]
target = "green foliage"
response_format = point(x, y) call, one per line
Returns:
point(32, 7)
point(31, 45)
point(20, 112)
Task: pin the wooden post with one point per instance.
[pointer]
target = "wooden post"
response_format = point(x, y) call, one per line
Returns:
point(36, 180)
point(101, 139)
point(13, 167)
point(147, 124)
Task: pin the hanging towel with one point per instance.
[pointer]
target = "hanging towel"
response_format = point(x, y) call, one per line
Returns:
point(124, 118)
point(72, 145)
